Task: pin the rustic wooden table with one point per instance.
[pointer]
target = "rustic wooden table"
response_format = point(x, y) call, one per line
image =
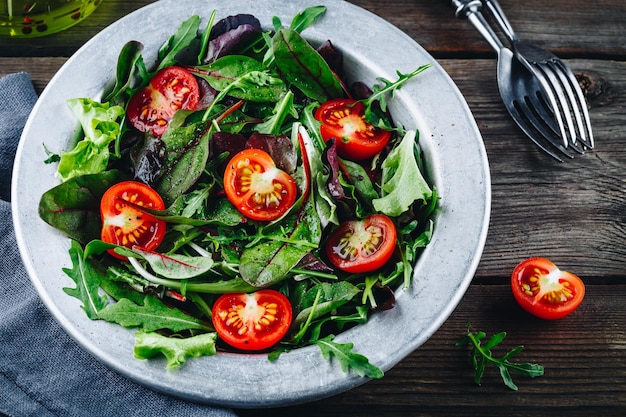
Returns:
point(572, 212)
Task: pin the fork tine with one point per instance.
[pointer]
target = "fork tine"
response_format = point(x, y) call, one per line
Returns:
point(567, 102)
point(546, 120)
point(580, 108)
point(547, 82)
point(540, 118)
point(527, 122)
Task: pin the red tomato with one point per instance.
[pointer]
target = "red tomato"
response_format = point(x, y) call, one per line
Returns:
point(365, 245)
point(126, 226)
point(152, 107)
point(544, 290)
point(258, 189)
point(344, 120)
point(254, 321)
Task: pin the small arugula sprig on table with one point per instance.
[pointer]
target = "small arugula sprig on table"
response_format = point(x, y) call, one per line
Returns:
point(481, 356)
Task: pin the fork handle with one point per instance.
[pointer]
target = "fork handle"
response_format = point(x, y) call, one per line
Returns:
point(498, 14)
point(471, 10)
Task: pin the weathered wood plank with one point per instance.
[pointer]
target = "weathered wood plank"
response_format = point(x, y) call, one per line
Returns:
point(535, 199)
point(582, 26)
point(583, 377)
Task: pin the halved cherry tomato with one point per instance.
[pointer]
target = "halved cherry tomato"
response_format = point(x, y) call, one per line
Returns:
point(254, 321)
point(152, 107)
point(123, 224)
point(258, 189)
point(365, 245)
point(545, 291)
point(344, 120)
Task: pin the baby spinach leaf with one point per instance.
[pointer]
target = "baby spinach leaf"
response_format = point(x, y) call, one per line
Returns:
point(186, 155)
point(270, 261)
point(331, 296)
point(175, 350)
point(402, 181)
point(129, 63)
point(151, 316)
point(242, 77)
point(73, 207)
point(304, 67)
point(87, 279)
point(348, 359)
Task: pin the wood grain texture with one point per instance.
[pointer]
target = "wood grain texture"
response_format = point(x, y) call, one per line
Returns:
point(572, 212)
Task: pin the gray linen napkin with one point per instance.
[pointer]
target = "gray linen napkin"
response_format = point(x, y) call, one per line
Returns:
point(43, 372)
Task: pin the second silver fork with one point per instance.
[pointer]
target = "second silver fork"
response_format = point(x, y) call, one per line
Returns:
point(561, 88)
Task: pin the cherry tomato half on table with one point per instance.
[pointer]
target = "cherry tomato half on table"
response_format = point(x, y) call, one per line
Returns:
point(123, 224)
point(545, 291)
point(254, 321)
point(258, 189)
point(152, 107)
point(365, 245)
point(344, 119)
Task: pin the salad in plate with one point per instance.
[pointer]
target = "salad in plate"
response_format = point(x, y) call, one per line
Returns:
point(240, 195)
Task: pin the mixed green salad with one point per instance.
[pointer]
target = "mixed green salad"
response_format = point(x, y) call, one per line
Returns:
point(240, 195)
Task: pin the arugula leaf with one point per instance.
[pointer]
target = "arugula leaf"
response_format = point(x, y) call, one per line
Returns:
point(186, 33)
point(175, 350)
point(101, 126)
point(87, 279)
point(307, 17)
point(481, 356)
point(304, 67)
point(204, 38)
point(283, 108)
point(151, 316)
point(402, 181)
point(378, 96)
point(348, 359)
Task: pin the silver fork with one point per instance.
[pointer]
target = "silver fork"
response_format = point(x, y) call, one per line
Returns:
point(519, 89)
point(561, 88)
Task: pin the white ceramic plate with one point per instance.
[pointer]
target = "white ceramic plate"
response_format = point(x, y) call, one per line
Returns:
point(373, 48)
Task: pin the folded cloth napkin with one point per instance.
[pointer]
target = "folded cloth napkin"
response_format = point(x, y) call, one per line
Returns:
point(43, 372)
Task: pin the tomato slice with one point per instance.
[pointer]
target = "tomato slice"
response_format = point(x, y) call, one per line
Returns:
point(344, 119)
point(254, 321)
point(171, 89)
point(258, 189)
point(365, 245)
point(123, 224)
point(545, 291)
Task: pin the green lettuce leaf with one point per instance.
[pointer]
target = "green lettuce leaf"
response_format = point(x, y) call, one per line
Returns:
point(402, 181)
point(175, 350)
point(100, 127)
